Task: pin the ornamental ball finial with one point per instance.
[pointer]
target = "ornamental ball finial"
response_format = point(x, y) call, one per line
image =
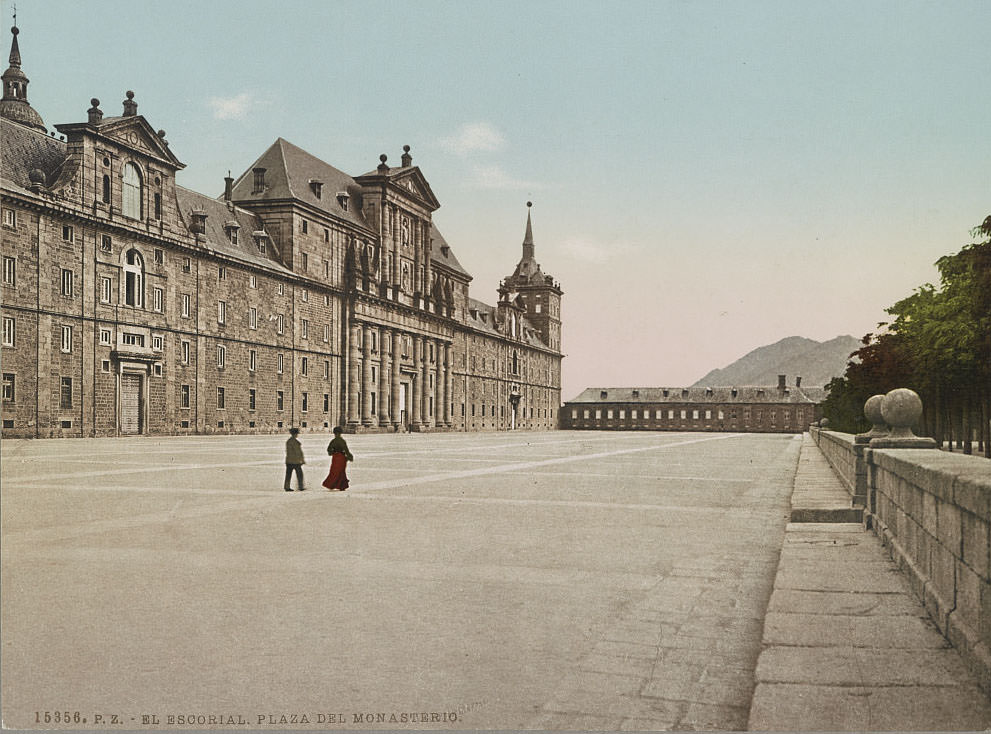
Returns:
point(901, 409)
point(95, 102)
point(529, 204)
point(129, 94)
point(383, 157)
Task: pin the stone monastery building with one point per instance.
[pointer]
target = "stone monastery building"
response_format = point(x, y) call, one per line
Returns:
point(302, 296)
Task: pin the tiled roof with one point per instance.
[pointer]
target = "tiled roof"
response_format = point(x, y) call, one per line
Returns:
point(288, 172)
point(216, 238)
point(746, 394)
point(24, 149)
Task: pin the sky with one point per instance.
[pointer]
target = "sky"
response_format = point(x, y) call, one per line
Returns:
point(706, 177)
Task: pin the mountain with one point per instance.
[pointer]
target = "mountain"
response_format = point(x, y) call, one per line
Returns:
point(795, 356)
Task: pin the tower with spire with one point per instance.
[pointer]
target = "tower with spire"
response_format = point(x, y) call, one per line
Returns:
point(14, 105)
point(539, 292)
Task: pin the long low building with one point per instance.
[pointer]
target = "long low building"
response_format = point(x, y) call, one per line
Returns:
point(779, 409)
point(301, 296)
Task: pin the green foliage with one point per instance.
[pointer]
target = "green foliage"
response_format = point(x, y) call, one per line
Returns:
point(938, 344)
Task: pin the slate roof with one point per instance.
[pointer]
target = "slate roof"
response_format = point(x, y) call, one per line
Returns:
point(288, 172)
point(438, 255)
point(488, 323)
point(218, 214)
point(23, 149)
point(746, 394)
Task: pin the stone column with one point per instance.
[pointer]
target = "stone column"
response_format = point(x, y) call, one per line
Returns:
point(397, 237)
point(425, 379)
point(426, 264)
point(448, 385)
point(417, 257)
point(397, 351)
point(354, 383)
point(384, 373)
point(417, 383)
point(366, 378)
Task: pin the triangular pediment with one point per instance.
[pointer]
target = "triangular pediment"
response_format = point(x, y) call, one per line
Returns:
point(413, 184)
point(137, 134)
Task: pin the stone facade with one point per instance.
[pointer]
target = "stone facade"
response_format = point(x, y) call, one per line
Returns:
point(301, 296)
point(781, 409)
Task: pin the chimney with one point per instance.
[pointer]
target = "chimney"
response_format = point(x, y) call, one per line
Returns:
point(407, 158)
point(798, 382)
point(94, 112)
point(130, 106)
point(228, 187)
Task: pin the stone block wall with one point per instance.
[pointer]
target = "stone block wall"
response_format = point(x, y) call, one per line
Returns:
point(934, 510)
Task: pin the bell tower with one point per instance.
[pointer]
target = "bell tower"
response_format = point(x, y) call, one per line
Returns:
point(14, 105)
point(539, 292)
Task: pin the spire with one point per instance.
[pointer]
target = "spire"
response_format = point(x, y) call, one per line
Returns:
point(14, 105)
point(528, 237)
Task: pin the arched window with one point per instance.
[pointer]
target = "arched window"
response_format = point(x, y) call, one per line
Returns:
point(134, 279)
point(516, 363)
point(132, 191)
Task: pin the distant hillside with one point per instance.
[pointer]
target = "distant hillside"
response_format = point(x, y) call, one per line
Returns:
point(815, 362)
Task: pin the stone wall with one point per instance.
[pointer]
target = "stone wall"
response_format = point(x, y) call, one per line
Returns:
point(932, 509)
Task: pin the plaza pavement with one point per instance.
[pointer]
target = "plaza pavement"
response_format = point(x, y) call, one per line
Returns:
point(558, 580)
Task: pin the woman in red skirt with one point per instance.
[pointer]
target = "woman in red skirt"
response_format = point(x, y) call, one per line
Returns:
point(337, 479)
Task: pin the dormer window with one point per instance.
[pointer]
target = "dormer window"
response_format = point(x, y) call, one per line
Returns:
point(231, 229)
point(259, 181)
point(317, 187)
point(603, 395)
point(636, 393)
point(342, 199)
point(261, 242)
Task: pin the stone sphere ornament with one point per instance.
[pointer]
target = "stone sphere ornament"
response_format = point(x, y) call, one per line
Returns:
point(872, 411)
point(901, 409)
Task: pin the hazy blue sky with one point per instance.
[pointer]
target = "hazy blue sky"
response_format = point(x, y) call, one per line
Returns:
point(706, 177)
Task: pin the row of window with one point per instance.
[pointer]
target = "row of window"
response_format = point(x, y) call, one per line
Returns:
point(586, 414)
point(280, 399)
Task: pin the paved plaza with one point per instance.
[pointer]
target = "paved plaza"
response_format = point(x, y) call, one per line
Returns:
point(560, 580)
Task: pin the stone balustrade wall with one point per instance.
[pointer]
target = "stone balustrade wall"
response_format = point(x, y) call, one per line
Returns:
point(932, 509)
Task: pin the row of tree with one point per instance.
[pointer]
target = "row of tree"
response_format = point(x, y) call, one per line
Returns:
point(938, 344)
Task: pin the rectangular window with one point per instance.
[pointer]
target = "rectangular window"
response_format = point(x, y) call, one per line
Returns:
point(598, 415)
point(252, 318)
point(221, 399)
point(158, 205)
point(65, 393)
point(252, 393)
point(305, 262)
point(280, 400)
point(105, 336)
point(695, 415)
point(304, 329)
point(326, 369)
point(9, 271)
point(306, 402)
point(326, 235)
point(326, 402)
point(721, 415)
point(282, 289)
point(66, 282)
point(156, 343)
point(66, 339)
point(326, 332)
point(133, 340)
point(106, 243)
point(253, 281)
point(185, 352)
point(326, 270)
point(221, 312)
point(9, 331)
point(221, 273)
point(280, 324)
point(184, 396)
point(633, 415)
point(708, 415)
point(585, 414)
point(252, 360)
point(159, 299)
point(304, 366)
point(221, 356)
point(684, 414)
point(159, 256)
point(622, 415)
point(68, 235)
point(609, 414)
point(105, 365)
point(186, 265)
point(304, 226)
point(279, 364)
point(185, 305)
point(8, 387)
point(106, 290)
point(9, 218)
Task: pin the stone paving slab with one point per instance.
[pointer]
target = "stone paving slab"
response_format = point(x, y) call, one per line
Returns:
point(847, 647)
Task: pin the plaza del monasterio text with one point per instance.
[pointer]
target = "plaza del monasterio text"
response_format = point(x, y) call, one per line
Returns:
point(302, 296)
